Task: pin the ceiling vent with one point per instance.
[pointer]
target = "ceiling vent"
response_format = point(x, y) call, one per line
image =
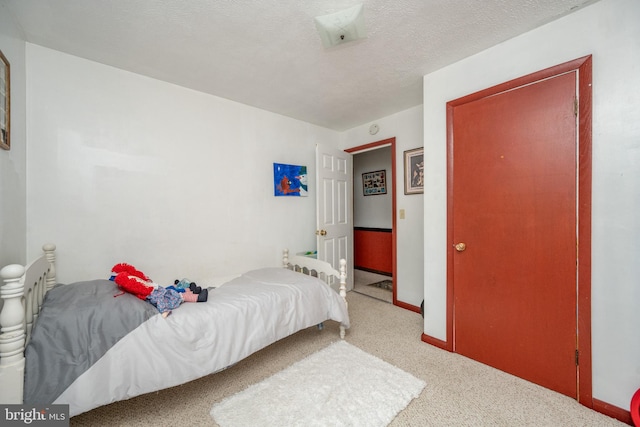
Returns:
point(341, 27)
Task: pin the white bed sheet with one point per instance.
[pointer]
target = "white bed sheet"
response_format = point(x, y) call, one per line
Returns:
point(243, 316)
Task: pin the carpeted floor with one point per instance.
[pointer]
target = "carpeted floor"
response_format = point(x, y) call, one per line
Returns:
point(339, 385)
point(459, 391)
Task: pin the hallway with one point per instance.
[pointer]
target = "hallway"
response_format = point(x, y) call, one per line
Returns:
point(370, 284)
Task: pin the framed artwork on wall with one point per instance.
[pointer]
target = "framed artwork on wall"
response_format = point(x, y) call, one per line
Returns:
point(414, 171)
point(5, 103)
point(290, 180)
point(374, 183)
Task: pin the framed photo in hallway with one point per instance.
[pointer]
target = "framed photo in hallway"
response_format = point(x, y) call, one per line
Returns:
point(414, 171)
point(5, 113)
point(374, 183)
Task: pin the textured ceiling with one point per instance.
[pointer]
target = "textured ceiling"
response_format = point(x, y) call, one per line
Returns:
point(268, 54)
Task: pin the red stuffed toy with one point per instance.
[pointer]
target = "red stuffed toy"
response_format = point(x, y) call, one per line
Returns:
point(133, 281)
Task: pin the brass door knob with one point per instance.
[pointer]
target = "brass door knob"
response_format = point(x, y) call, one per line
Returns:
point(460, 247)
point(321, 232)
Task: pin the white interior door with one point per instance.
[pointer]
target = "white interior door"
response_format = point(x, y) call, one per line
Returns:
point(334, 204)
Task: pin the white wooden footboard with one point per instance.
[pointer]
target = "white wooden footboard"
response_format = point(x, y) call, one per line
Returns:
point(22, 291)
point(323, 270)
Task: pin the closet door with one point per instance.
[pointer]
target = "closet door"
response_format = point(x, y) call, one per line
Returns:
point(514, 231)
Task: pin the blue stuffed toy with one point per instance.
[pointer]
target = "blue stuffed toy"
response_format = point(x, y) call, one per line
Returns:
point(184, 284)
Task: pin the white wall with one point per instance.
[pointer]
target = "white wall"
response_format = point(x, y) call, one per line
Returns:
point(173, 181)
point(406, 127)
point(609, 31)
point(13, 167)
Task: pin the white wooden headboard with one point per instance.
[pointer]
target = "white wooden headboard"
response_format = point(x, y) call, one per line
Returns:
point(323, 270)
point(22, 291)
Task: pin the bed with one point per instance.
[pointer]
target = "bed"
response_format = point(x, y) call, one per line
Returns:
point(57, 342)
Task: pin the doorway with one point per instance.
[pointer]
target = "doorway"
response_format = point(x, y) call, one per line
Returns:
point(519, 227)
point(374, 220)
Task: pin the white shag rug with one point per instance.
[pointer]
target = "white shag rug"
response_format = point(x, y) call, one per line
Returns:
point(339, 385)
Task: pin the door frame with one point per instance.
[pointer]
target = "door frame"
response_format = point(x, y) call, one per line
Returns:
point(372, 146)
point(584, 174)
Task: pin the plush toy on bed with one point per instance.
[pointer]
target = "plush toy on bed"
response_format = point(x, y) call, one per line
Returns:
point(135, 282)
point(183, 285)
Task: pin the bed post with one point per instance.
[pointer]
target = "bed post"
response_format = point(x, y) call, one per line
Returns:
point(12, 335)
point(343, 289)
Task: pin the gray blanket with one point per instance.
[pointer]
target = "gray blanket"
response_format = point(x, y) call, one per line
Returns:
point(78, 323)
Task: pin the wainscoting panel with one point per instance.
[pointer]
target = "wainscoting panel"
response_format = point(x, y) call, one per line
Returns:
point(373, 250)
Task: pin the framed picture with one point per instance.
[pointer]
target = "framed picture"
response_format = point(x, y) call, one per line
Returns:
point(290, 180)
point(374, 183)
point(414, 171)
point(5, 98)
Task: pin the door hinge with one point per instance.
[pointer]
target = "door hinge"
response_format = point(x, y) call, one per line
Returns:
point(577, 358)
point(575, 107)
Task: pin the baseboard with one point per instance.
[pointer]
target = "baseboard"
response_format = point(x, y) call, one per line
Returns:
point(605, 408)
point(436, 342)
point(407, 306)
point(612, 411)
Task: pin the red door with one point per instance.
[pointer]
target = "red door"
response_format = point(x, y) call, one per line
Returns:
point(514, 207)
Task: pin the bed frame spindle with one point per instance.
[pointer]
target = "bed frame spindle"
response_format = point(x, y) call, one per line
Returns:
point(50, 253)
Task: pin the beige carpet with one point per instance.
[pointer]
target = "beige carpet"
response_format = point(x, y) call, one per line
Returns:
point(459, 391)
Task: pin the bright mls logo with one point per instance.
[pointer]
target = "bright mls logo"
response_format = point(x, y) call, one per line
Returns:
point(21, 415)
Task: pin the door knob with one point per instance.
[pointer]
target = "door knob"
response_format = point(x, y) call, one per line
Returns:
point(321, 232)
point(460, 247)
